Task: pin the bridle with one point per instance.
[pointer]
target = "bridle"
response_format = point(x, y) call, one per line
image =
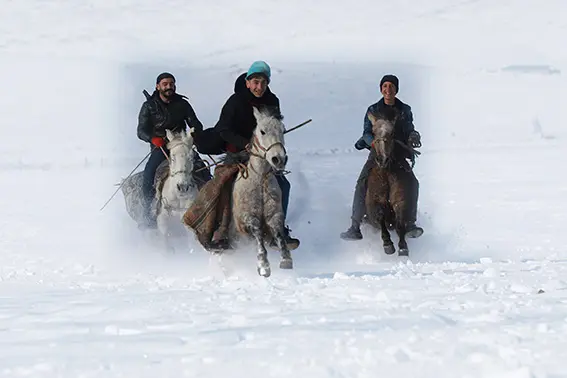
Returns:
point(387, 139)
point(256, 143)
point(179, 171)
point(258, 146)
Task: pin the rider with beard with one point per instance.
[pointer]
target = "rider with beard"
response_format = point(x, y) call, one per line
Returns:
point(165, 109)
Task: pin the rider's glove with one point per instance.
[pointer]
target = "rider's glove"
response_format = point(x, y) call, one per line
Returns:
point(414, 139)
point(360, 144)
point(158, 141)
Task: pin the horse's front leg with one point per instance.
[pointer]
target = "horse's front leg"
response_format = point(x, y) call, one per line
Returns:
point(163, 227)
point(276, 229)
point(255, 229)
point(402, 244)
point(386, 238)
point(399, 199)
point(275, 220)
point(376, 217)
point(400, 210)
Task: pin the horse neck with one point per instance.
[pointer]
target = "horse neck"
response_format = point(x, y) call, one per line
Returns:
point(258, 165)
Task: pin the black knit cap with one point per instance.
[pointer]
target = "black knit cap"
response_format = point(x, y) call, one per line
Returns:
point(392, 79)
point(164, 75)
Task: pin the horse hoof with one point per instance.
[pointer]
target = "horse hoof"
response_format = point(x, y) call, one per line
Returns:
point(286, 264)
point(403, 252)
point(264, 271)
point(389, 249)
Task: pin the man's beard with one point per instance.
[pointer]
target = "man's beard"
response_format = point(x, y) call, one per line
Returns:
point(167, 93)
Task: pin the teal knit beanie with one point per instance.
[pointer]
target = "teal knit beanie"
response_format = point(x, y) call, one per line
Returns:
point(259, 67)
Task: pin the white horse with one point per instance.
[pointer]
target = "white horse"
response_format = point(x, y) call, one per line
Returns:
point(175, 188)
point(256, 196)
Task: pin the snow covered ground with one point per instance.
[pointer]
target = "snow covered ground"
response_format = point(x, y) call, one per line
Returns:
point(484, 292)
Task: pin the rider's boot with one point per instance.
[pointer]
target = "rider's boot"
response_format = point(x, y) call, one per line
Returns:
point(219, 246)
point(292, 243)
point(219, 242)
point(353, 232)
point(413, 231)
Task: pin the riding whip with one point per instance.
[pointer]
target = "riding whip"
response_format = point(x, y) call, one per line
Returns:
point(298, 126)
point(219, 162)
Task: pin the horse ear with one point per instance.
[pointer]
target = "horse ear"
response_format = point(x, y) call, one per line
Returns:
point(371, 117)
point(169, 134)
point(189, 133)
point(257, 113)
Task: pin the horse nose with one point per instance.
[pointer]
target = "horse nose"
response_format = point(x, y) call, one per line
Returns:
point(182, 187)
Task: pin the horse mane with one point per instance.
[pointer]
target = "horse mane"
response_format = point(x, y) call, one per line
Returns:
point(382, 126)
point(272, 111)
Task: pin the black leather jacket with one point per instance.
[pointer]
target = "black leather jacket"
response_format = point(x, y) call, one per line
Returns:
point(156, 116)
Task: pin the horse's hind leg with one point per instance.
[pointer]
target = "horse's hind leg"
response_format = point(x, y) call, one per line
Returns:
point(255, 229)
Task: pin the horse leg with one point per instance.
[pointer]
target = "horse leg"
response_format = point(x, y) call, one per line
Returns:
point(276, 229)
point(254, 228)
point(163, 227)
point(386, 239)
point(377, 219)
point(400, 211)
point(402, 244)
point(274, 216)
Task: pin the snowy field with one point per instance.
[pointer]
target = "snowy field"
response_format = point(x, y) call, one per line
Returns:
point(484, 292)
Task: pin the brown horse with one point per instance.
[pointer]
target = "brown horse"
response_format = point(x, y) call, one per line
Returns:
point(390, 186)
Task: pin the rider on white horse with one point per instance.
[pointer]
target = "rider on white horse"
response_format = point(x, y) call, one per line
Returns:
point(165, 109)
point(237, 123)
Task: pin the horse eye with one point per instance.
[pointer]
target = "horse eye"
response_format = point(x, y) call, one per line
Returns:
point(262, 132)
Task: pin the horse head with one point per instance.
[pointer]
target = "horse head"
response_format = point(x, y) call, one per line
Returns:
point(268, 138)
point(383, 143)
point(180, 146)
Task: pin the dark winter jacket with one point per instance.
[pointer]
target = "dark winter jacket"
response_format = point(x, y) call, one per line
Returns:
point(156, 116)
point(237, 122)
point(402, 129)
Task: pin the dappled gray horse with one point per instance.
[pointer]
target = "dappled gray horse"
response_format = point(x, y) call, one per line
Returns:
point(256, 197)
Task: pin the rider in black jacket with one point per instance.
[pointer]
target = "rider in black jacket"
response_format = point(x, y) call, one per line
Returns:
point(165, 109)
point(237, 123)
